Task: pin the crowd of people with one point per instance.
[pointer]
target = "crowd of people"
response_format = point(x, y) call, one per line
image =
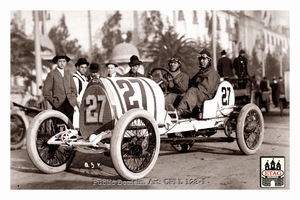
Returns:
point(64, 91)
point(238, 69)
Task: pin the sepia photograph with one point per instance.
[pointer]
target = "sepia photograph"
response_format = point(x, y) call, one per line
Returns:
point(150, 98)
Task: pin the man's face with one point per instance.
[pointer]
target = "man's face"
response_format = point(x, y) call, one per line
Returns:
point(173, 66)
point(61, 63)
point(95, 75)
point(82, 68)
point(135, 68)
point(203, 60)
point(111, 69)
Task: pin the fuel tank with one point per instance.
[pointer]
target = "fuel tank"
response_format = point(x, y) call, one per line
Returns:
point(107, 99)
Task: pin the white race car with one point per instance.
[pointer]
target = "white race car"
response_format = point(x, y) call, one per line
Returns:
point(126, 119)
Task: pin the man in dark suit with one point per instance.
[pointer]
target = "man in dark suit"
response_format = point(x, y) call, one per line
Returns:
point(225, 66)
point(134, 65)
point(59, 87)
point(240, 65)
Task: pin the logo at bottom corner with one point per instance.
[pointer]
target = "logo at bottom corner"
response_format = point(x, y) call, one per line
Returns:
point(272, 171)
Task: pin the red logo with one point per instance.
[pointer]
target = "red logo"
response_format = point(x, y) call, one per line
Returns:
point(272, 173)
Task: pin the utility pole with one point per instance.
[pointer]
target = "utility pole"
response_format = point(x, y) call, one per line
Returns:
point(37, 50)
point(214, 47)
point(90, 34)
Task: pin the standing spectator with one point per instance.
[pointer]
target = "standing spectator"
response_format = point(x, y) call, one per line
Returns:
point(225, 66)
point(264, 85)
point(94, 72)
point(59, 87)
point(281, 86)
point(240, 65)
point(175, 86)
point(81, 82)
point(203, 86)
point(134, 65)
point(111, 68)
point(275, 92)
point(79, 77)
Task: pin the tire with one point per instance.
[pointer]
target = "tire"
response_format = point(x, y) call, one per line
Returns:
point(18, 126)
point(48, 158)
point(133, 155)
point(250, 129)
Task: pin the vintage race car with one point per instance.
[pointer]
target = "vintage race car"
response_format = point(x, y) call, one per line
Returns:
point(125, 118)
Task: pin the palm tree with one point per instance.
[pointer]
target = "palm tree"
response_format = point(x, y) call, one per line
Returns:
point(169, 44)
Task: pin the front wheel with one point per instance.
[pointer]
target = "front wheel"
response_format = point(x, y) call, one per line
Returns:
point(135, 144)
point(48, 158)
point(250, 129)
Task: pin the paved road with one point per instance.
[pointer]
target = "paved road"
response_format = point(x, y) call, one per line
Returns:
point(205, 166)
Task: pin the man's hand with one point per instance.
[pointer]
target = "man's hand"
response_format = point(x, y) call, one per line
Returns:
point(176, 81)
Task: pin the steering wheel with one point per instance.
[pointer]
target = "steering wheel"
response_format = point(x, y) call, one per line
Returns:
point(156, 75)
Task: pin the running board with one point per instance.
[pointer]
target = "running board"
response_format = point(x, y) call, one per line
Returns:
point(198, 139)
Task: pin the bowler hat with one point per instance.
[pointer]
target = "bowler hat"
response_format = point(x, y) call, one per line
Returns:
point(223, 52)
point(81, 61)
point(134, 60)
point(113, 62)
point(94, 67)
point(204, 51)
point(242, 51)
point(59, 56)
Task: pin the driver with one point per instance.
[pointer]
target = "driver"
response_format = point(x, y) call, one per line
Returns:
point(176, 85)
point(203, 86)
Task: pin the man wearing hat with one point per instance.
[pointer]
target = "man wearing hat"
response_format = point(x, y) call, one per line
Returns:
point(59, 87)
point(176, 85)
point(203, 86)
point(225, 66)
point(134, 65)
point(81, 82)
point(111, 68)
point(240, 65)
point(79, 77)
point(94, 71)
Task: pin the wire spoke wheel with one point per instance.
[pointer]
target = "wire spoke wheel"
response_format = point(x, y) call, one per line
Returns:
point(46, 157)
point(18, 126)
point(250, 129)
point(53, 155)
point(138, 145)
point(135, 144)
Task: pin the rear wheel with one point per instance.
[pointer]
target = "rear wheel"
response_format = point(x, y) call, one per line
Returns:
point(250, 129)
point(135, 144)
point(48, 158)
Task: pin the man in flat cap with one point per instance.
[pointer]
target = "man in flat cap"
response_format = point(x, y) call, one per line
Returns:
point(203, 86)
point(59, 87)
